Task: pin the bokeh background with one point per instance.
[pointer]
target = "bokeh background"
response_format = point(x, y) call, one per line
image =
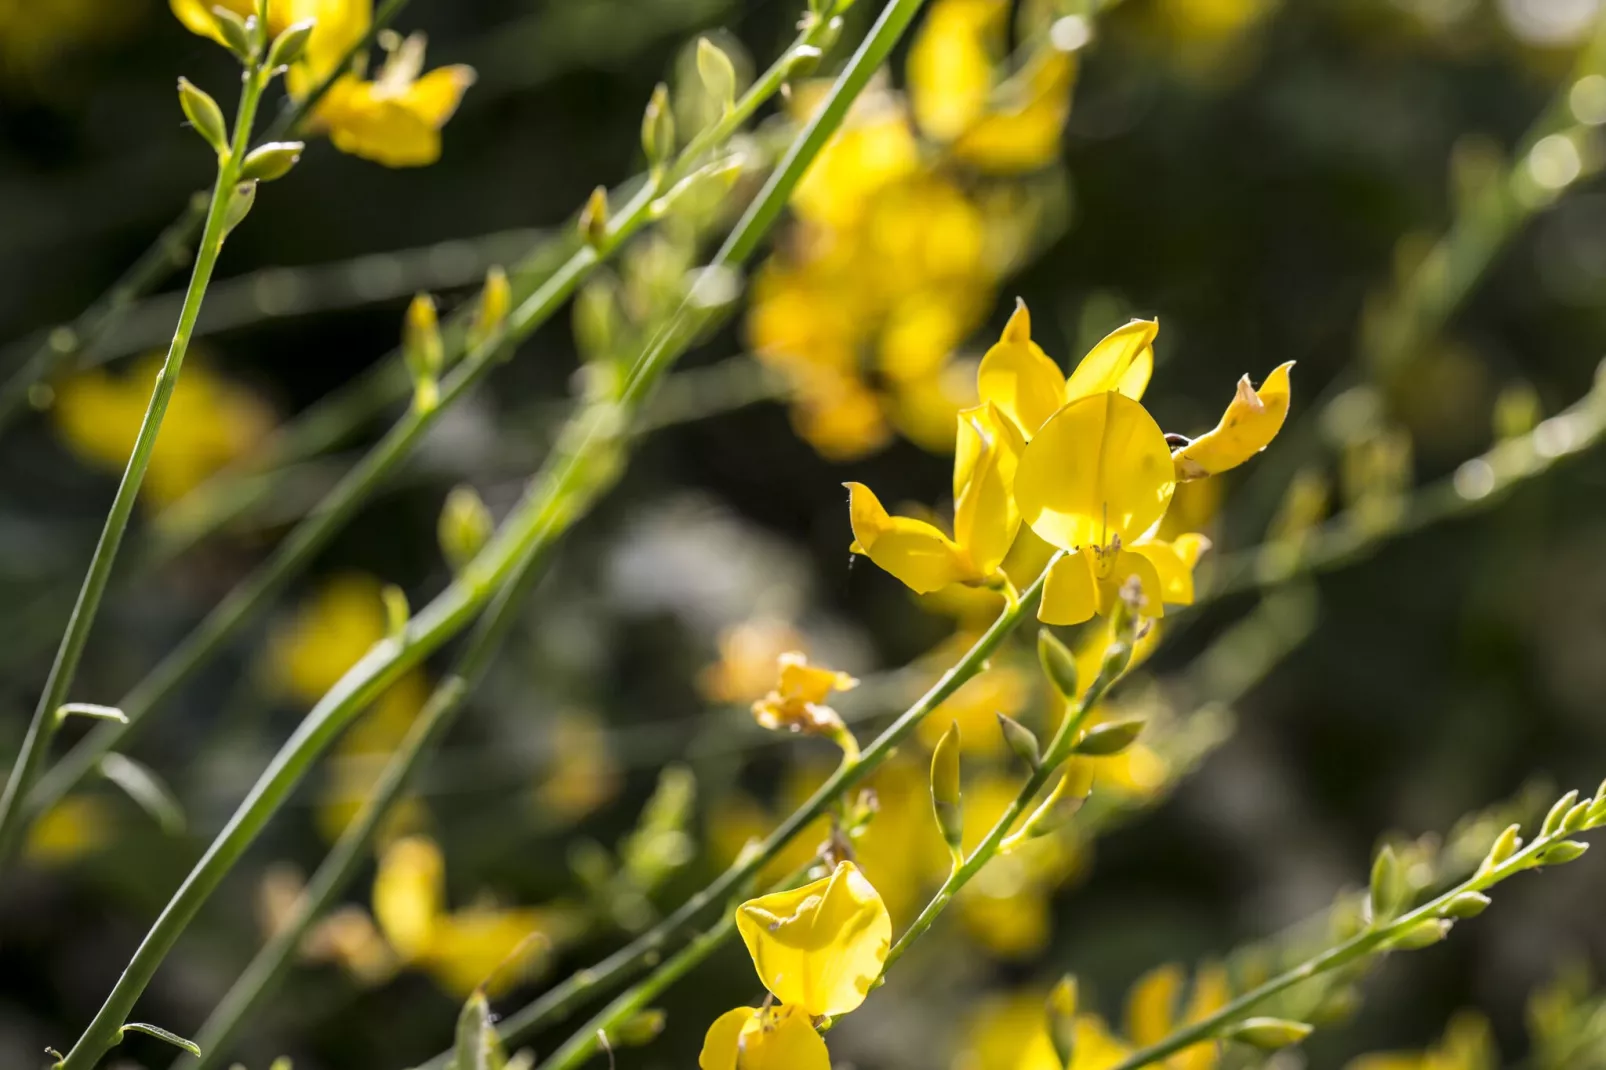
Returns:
point(1267, 178)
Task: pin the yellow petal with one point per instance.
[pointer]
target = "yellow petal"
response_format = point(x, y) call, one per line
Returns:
point(1024, 136)
point(986, 455)
point(919, 555)
point(821, 946)
point(1174, 562)
point(338, 25)
point(1122, 361)
point(1099, 470)
point(1018, 377)
point(197, 17)
point(720, 1042)
point(1211, 991)
point(1125, 566)
point(408, 892)
point(435, 96)
point(1251, 421)
point(1151, 1007)
point(1070, 594)
point(486, 947)
point(950, 66)
point(783, 1039)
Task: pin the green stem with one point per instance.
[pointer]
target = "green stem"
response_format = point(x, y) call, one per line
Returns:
point(36, 744)
point(587, 461)
point(1339, 956)
point(338, 506)
point(169, 251)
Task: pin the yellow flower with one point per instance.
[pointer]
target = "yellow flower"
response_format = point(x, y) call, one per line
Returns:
point(748, 653)
point(986, 519)
point(1024, 135)
point(1251, 421)
point(950, 68)
point(1010, 1032)
point(798, 701)
point(1026, 384)
point(775, 1038)
point(209, 423)
point(78, 825)
point(838, 414)
point(583, 773)
point(395, 119)
point(819, 947)
point(1152, 1011)
point(875, 149)
point(1093, 480)
point(337, 26)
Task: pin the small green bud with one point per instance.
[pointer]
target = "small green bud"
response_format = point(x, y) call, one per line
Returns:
point(658, 127)
point(1113, 737)
point(1022, 741)
point(1059, 665)
point(397, 611)
point(204, 115)
point(465, 526)
point(1577, 818)
point(1557, 814)
point(1505, 845)
point(946, 801)
point(238, 33)
point(1467, 905)
point(289, 45)
point(273, 160)
point(496, 300)
point(640, 1028)
point(1422, 934)
point(1062, 1020)
point(1564, 852)
point(1269, 1034)
point(1388, 887)
point(241, 198)
point(1057, 809)
point(714, 67)
point(422, 347)
point(594, 218)
point(802, 61)
point(704, 188)
point(597, 316)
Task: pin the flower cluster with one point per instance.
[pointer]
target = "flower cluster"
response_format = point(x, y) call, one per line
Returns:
point(953, 184)
point(393, 119)
point(818, 949)
point(1080, 461)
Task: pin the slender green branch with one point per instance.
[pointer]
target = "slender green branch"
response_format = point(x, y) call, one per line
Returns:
point(338, 506)
point(172, 248)
point(588, 459)
point(1374, 939)
point(36, 744)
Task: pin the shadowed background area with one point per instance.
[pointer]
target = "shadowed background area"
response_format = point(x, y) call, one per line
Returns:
point(1399, 195)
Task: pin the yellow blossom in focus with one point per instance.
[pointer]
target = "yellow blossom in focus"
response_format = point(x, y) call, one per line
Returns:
point(76, 826)
point(988, 450)
point(773, 1038)
point(395, 119)
point(748, 653)
point(463, 950)
point(821, 946)
point(797, 703)
point(583, 773)
point(1010, 1032)
point(1251, 421)
point(210, 422)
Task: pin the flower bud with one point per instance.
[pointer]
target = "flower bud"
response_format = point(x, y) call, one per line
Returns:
point(241, 198)
point(714, 67)
point(1059, 664)
point(658, 128)
point(1466, 905)
point(1422, 934)
point(1388, 887)
point(1564, 852)
point(640, 1028)
point(496, 300)
point(1062, 1020)
point(273, 160)
point(204, 115)
point(1022, 741)
point(289, 45)
point(1557, 814)
point(1504, 847)
point(238, 33)
point(1577, 818)
point(594, 218)
point(1103, 740)
point(422, 347)
point(465, 526)
point(946, 802)
point(1269, 1034)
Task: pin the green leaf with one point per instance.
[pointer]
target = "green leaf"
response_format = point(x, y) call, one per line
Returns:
point(478, 1047)
point(1021, 740)
point(162, 1034)
point(1269, 1034)
point(146, 789)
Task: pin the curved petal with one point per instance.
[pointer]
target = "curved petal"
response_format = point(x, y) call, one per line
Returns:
point(1128, 565)
point(1018, 377)
point(721, 1040)
point(1122, 361)
point(1099, 470)
point(986, 455)
point(1070, 594)
point(409, 894)
point(1251, 421)
point(1174, 562)
point(920, 556)
point(787, 1040)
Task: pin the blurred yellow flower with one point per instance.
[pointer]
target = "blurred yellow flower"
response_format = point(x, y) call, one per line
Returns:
point(1251, 421)
point(1010, 1032)
point(395, 119)
point(1467, 1044)
point(1007, 907)
point(78, 825)
point(951, 63)
point(988, 449)
point(583, 773)
point(210, 422)
point(748, 652)
point(773, 1038)
point(797, 702)
point(819, 947)
point(1154, 1011)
